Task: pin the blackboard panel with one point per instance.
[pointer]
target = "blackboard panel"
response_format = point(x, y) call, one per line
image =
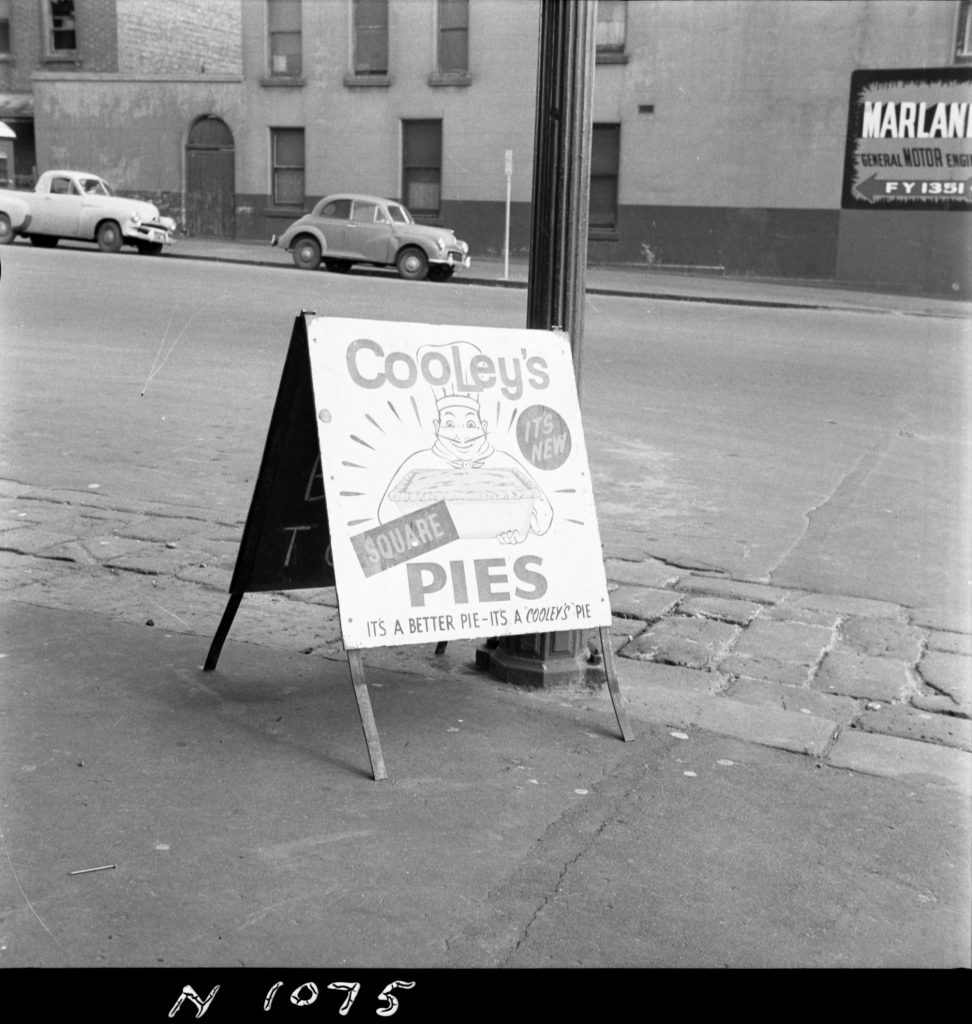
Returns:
point(286, 541)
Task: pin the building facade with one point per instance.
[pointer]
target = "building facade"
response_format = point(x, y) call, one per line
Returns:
point(718, 140)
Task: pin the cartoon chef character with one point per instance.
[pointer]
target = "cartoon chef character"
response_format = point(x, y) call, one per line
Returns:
point(462, 444)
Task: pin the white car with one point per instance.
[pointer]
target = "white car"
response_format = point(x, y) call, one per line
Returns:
point(79, 205)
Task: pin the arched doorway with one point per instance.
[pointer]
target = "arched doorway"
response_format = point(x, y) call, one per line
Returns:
point(210, 179)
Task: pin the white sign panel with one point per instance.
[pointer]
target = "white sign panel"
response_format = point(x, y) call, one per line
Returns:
point(458, 490)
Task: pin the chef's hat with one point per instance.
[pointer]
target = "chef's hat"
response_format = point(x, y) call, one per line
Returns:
point(442, 366)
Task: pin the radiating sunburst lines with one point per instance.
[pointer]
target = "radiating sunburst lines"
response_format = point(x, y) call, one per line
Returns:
point(418, 418)
point(578, 522)
point(357, 440)
point(512, 418)
point(391, 406)
point(351, 465)
point(374, 422)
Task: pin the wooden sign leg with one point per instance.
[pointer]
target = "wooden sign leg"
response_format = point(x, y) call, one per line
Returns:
point(224, 627)
point(607, 652)
point(367, 717)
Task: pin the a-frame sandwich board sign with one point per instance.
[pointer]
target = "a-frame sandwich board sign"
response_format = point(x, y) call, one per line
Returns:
point(354, 407)
point(286, 540)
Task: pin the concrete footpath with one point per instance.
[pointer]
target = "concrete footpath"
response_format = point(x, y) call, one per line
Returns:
point(797, 793)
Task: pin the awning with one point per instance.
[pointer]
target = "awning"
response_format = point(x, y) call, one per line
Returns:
point(16, 104)
point(7, 132)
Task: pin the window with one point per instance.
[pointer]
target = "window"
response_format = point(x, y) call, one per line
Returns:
point(612, 16)
point(283, 22)
point(288, 166)
point(60, 29)
point(336, 209)
point(605, 159)
point(963, 36)
point(453, 24)
point(4, 27)
point(368, 213)
point(422, 166)
point(371, 37)
point(63, 187)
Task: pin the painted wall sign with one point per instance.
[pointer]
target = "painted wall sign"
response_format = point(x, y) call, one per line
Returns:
point(909, 140)
point(457, 482)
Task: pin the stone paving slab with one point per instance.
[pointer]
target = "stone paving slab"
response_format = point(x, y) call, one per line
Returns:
point(34, 540)
point(683, 640)
point(882, 638)
point(914, 724)
point(848, 606)
point(860, 675)
point(739, 613)
point(643, 602)
point(155, 528)
point(809, 616)
point(950, 643)
point(719, 586)
point(842, 710)
point(914, 763)
point(951, 675)
point(784, 652)
point(654, 700)
point(948, 620)
point(646, 573)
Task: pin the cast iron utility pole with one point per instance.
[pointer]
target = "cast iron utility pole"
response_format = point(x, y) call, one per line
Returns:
point(562, 170)
point(558, 262)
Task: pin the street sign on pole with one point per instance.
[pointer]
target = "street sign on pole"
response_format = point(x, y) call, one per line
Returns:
point(506, 235)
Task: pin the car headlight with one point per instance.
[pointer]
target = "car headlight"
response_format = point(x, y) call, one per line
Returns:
point(136, 220)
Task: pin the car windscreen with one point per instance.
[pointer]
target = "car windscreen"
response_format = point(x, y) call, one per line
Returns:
point(94, 187)
point(399, 214)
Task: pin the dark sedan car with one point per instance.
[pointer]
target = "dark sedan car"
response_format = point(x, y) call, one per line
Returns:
point(346, 229)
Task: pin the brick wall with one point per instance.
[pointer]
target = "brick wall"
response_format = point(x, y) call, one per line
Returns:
point(191, 37)
point(97, 42)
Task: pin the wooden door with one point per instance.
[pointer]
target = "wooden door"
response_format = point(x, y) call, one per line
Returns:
point(210, 180)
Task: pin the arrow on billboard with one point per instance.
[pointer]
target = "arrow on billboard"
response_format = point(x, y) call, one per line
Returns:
point(873, 188)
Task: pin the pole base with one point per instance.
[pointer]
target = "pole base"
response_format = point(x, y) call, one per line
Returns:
point(544, 660)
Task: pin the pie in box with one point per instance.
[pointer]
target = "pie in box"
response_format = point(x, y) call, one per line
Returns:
point(483, 502)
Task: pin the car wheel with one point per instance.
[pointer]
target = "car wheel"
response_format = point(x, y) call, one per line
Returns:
point(338, 266)
point(412, 264)
point(149, 248)
point(109, 237)
point(44, 241)
point(307, 253)
point(6, 230)
point(440, 273)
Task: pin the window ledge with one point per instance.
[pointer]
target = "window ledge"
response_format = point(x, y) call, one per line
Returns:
point(611, 57)
point(67, 58)
point(455, 78)
point(352, 81)
point(603, 235)
point(293, 81)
